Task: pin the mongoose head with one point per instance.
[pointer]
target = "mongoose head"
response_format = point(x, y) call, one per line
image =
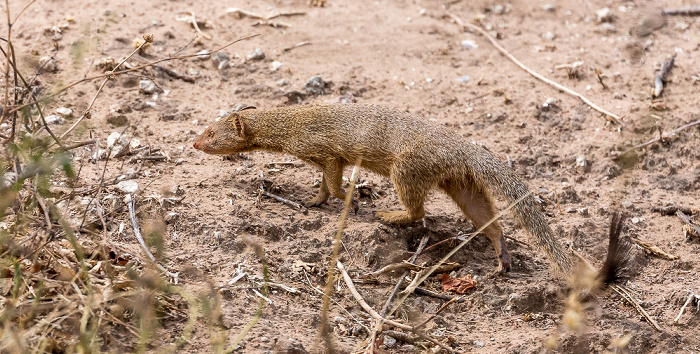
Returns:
point(227, 136)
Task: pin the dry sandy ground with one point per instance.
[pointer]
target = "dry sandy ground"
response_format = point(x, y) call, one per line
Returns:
point(408, 55)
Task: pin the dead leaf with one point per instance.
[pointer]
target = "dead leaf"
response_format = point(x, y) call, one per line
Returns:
point(654, 249)
point(458, 285)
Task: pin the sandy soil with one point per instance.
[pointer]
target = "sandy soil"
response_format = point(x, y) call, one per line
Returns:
point(408, 55)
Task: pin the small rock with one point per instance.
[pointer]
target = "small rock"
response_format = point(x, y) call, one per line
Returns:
point(147, 86)
point(315, 85)
point(8, 179)
point(192, 72)
point(604, 15)
point(635, 220)
point(117, 138)
point(203, 55)
point(128, 186)
point(64, 111)
point(134, 143)
point(618, 96)
point(469, 44)
point(682, 25)
point(282, 82)
point(479, 344)
point(581, 161)
point(48, 64)
point(408, 348)
point(264, 339)
point(349, 98)
point(549, 36)
point(549, 7)
point(275, 66)
point(606, 28)
point(498, 10)
point(117, 120)
point(221, 60)
point(389, 341)
point(54, 119)
point(463, 79)
point(255, 55)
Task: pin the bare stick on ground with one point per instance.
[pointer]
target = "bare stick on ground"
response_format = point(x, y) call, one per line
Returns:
point(658, 139)
point(132, 215)
point(683, 11)
point(421, 246)
point(626, 295)
point(375, 314)
point(662, 76)
point(687, 302)
point(611, 116)
point(282, 200)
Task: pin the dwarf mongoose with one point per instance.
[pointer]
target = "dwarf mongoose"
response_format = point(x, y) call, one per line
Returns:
point(417, 155)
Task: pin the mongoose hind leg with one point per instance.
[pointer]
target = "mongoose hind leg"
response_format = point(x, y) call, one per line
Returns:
point(477, 206)
point(330, 185)
point(412, 195)
point(322, 196)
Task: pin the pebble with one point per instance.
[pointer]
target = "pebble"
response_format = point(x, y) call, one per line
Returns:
point(282, 82)
point(389, 341)
point(8, 179)
point(48, 64)
point(581, 161)
point(203, 55)
point(118, 120)
point(607, 28)
point(147, 86)
point(463, 79)
point(255, 55)
point(128, 187)
point(549, 7)
point(64, 111)
point(221, 60)
point(479, 344)
point(604, 15)
point(115, 138)
point(314, 85)
point(54, 119)
point(498, 10)
point(192, 72)
point(275, 66)
point(469, 44)
point(549, 36)
point(682, 25)
point(618, 96)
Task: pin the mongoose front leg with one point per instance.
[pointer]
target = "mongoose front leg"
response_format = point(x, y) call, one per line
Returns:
point(478, 207)
point(412, 195)
point(330, 185)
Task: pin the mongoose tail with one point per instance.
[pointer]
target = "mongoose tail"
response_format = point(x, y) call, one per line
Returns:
point(496, 176)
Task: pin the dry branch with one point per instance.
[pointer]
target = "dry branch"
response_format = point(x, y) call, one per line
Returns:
point(683, 11)
point(625, 295)
point(282, 200)
point(674, 131)
point(662, 76)
point(612, 117)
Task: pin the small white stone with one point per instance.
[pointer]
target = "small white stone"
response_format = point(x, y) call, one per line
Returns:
point(469, 44)
point(116, 138)
point(581, 161)
point(48, 64)
point(147, 86)
point(64, 111)
point(203, 55)
point(635, 220)
point(128, 186)
point(549, 36)
point(604, 15)
point(275, 65)
point(54, 119)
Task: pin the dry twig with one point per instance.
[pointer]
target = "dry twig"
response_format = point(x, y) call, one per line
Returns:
point(626, 295)
point(690, 299)
point(662, 76)
point(661, 138)
point(276, 197)
point(683, 11)
point(132, 216)
point(612, 117)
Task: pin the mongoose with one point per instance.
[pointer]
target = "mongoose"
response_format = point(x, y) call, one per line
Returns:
point(417, 155)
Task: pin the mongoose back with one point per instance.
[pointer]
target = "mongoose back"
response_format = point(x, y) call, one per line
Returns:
point(417, 155)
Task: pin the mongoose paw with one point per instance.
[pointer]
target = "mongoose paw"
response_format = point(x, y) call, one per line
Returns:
point(314, 202)
point(394, 216)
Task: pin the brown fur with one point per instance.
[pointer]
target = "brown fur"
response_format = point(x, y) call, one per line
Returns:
point(417, 155)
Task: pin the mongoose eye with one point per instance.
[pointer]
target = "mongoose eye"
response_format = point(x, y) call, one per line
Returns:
point(211, 134)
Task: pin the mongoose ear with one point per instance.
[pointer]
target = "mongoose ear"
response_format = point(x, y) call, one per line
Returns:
point(241, 127)
point(247, 107)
